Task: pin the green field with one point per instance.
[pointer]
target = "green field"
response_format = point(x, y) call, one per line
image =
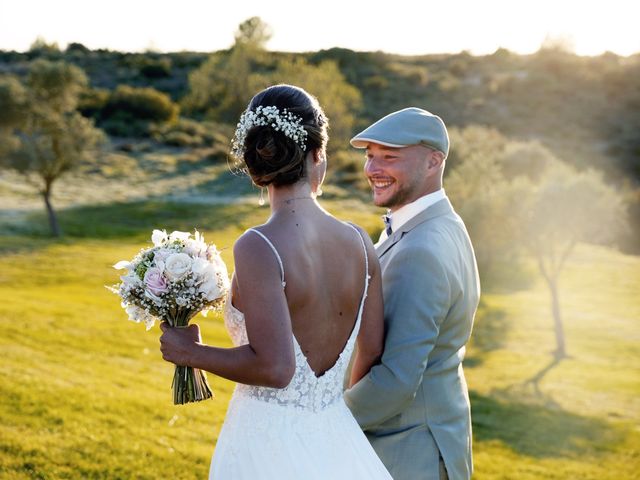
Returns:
point(84, 393)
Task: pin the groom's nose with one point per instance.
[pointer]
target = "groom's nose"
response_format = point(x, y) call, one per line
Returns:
point(371, 165)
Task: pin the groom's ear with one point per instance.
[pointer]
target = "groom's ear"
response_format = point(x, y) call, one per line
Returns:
point(436, 159)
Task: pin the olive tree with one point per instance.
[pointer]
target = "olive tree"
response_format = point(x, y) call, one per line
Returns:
point(566, 207)
point(44, 135)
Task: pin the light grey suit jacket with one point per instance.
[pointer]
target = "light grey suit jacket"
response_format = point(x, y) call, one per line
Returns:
point(414, 405)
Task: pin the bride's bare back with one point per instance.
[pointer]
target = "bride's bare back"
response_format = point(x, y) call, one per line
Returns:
point(324, 270)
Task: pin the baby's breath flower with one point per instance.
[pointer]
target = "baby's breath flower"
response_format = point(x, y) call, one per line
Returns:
point(285, 122)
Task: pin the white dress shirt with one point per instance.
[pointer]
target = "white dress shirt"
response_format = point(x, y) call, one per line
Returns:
point(410, 210)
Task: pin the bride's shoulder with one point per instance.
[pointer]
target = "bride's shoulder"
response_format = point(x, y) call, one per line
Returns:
point(254, 254)
point(368, 243)
point(249, 241)
point(363, 233)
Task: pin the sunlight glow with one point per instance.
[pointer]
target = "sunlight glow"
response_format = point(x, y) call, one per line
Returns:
point(403, 26)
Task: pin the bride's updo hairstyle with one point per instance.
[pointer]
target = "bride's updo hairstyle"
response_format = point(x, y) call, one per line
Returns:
point(280, 126)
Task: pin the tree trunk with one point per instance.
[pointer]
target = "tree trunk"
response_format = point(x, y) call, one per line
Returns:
point(53, 220)
point(557, 319)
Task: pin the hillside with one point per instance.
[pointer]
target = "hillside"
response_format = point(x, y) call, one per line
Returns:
point(583, 108)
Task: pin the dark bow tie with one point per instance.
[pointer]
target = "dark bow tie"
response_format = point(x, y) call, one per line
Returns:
point(387, 224)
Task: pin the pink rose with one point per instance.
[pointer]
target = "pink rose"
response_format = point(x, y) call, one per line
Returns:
point(155, 281)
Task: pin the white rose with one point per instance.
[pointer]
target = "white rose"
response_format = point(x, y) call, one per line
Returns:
point(177, 266)
point(158, 237)
point(200, 266)
point(211, 289)
point(194, 248)
point(161, 254)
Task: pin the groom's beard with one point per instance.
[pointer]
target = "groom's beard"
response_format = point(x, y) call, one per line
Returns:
point(396, 197)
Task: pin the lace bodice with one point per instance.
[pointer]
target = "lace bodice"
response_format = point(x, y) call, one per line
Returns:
point(306, 390)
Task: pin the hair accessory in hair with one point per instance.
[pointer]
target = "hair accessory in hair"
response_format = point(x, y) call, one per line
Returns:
point(285, 122)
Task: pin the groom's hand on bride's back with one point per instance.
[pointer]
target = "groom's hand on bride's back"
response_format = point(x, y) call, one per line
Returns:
point(178, 344)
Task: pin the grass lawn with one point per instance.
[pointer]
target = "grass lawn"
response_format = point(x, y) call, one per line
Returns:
point(84, 394)
point(576, 419)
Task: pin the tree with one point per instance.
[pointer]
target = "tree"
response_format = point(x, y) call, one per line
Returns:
point(484, 198)
point(40, 48)
point(46, 135)
point(223, 85)
point(483, 195)
point(13, 101)
point(339, 100)
point(518, 196)
point(253, 31)
point(566, 207)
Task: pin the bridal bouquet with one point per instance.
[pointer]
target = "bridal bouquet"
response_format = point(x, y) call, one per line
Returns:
point(173, 281)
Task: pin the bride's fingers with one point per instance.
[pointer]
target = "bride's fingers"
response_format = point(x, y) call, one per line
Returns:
point(194, 330)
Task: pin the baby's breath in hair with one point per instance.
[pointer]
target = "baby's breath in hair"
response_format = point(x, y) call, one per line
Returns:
point(285, 122)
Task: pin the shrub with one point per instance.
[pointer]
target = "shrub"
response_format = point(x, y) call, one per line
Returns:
point(181, 139)
point(185, 132)
point(75, 47)
point(92, 101)
point(123, 124)
point(146, 104)
point(376, 82)
point(156, 68)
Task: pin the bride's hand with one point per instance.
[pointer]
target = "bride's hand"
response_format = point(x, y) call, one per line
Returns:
point(178, 344)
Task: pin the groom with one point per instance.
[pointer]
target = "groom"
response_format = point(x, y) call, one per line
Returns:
point(414, 405)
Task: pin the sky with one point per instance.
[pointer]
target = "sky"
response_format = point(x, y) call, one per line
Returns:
point(408, 27)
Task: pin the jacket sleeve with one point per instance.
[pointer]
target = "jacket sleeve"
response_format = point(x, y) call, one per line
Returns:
point(417, 298)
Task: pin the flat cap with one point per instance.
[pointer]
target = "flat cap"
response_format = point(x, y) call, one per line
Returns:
point(409, 126)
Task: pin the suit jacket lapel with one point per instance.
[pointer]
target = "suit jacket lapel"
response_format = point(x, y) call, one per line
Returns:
point(439, 208)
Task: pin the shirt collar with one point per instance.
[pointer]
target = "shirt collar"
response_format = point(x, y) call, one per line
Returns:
point(410, 210)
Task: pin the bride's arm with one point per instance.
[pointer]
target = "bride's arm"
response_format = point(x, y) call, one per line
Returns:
point(268, 359)
point(370, 339)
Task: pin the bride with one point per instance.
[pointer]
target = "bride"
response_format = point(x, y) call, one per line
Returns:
point(306, 289)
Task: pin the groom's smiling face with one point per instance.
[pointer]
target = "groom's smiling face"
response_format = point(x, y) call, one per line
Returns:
point(397, 176)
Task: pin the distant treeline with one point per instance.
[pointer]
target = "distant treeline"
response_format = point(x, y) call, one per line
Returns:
point(526, 130)
point(585, 109)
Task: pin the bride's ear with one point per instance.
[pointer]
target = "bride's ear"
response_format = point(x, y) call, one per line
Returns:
point(319, 156)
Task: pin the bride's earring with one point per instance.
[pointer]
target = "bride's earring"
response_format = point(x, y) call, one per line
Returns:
point(261, 199)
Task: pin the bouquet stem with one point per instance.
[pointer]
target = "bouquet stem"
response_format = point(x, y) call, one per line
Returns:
point(189, 384)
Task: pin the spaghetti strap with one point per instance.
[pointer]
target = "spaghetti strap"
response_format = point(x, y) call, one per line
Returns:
point(274, 251)
point(366, 270)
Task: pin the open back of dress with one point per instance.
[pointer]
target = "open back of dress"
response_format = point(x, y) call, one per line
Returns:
point(304, 430)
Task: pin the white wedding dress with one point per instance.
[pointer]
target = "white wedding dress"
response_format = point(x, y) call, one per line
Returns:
point(304, 431)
